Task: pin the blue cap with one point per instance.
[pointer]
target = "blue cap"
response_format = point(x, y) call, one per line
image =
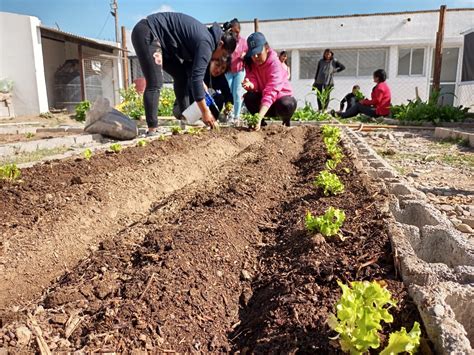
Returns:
point(255, 43)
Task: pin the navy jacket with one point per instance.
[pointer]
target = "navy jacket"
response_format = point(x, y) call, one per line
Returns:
point(185, 38)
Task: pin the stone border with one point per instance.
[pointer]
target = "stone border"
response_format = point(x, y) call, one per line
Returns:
point(446, 133)
point(435, 260)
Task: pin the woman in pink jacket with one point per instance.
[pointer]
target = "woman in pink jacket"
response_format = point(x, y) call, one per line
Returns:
point(269, 92)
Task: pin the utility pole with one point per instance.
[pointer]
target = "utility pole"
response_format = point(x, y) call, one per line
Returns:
point(439, 49)
point(114, 12)
point(125, 57)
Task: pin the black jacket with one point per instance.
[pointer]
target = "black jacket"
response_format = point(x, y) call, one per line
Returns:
point(183, 37)
point(351, 100)
point(325, 72)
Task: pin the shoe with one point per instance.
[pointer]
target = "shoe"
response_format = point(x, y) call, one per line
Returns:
point(149, 134)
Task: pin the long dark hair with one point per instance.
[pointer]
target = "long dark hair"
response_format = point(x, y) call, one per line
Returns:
point(327, 50)
point(229, 38)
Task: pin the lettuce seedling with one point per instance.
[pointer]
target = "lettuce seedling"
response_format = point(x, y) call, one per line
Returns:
point(116, 147)
point(403, 342)
point(328, 224)
point(162, 138)
point(359, 313)
point(175, 130)
point(87, 154)
point(194, 131)
point(329, 182)
point(331, 131)
point(10, 172)
point(331, 164)
point(141, 143)
point(251, 120)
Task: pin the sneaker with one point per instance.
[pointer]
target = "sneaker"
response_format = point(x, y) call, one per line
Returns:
point(151, 134)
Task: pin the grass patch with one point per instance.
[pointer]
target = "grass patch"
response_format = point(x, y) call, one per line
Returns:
point(33, 156)
point(462, 142)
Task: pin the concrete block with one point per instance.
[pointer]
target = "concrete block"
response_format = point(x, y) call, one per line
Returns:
point(87, 138)
point(446, 310)
point(7, 151)
point(26, 147)
point(55, 142)
point(9, 130)
point(51, 130)
point(417, 213)
point(443, 133)
point(385, 173)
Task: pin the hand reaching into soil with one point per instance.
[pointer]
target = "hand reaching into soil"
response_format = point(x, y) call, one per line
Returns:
point(208, 118)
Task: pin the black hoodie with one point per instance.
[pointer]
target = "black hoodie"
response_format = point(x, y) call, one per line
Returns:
point(185, 38)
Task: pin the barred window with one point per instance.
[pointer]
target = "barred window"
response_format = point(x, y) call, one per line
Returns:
point(411, 61)
point(358, 62)
point(308, 63)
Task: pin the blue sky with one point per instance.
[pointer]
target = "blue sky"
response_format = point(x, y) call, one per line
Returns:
point(91, 18)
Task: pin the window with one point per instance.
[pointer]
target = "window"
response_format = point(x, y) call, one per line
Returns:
point(449, 64)
point(468, 58)
point(308, 63)
point(410, 61)
point(358, 62)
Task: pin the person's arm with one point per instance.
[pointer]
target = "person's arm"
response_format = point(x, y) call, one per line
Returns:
point(343, 102)
point(339, 66)
point(202, 57)
point(272, 87)
point(316, 75)
point(375, 98)
point(250, 78)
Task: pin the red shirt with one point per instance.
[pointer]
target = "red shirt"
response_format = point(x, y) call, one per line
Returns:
point(381, 99)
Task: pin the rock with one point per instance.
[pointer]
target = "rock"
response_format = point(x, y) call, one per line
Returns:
point(431, 196)
point(49, 197)
point(408, 135)
point(245, 275)
point(142, 337)
point(458, 209)
point(468, 221)
point(60, 318)
point(64, 343)
point(455, 221)
point(464, 228)
point(23, 335)
point(438, 310)
point(446, 208)
point(219, 273)
point(414, 174)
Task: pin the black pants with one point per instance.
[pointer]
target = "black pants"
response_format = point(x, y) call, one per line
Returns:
point(145, 46)
point(282, 108)
point(359, 108)
point(321, 87)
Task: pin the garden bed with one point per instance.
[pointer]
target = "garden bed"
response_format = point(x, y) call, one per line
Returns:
point(222, 263)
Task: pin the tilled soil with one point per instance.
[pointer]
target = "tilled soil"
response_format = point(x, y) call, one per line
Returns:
point(224, 264)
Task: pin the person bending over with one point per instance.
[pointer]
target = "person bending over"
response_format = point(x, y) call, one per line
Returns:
point(380, 102)
point(269, 92)
point(183, 47)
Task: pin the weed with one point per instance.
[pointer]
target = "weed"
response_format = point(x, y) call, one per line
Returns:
point(81, 110)
point(29, 135)
point(142, 143)
point(175, 130)
point(46, 115)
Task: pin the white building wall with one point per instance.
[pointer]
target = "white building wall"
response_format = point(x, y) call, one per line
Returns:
point(23, 63)
point(390, 31)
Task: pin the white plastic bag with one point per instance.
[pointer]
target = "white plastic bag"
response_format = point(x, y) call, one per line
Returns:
point(6, 86)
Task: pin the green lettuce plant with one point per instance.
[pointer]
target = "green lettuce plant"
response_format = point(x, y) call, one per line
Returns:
point(116, 147)
point(10, 172)
point(402, 342)
point(328, 224)
point(142, 143)
point(329, 182)
point(251, 120)
point(87, 154)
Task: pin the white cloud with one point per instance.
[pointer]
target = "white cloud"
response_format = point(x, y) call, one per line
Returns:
point(164, 8)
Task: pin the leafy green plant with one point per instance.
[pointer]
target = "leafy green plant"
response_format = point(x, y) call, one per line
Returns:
point(142, 143)
point(29, 135)
point(81, 110)
point(167, 99)
point(331, 131)
point(359, 96)
point(116, 147)
point(429, 111)
point(359, 312)
point(162, 137)
point(328, 224)
point(331, 164)
point(324, 96)
point(87, 154)
point(46, 115)
point(10, 172)
point(402, 342)
point(329, 182)
point(175, 130)
point(251, 120)
point(308, 113)
point(132, 103)
point(194, 131)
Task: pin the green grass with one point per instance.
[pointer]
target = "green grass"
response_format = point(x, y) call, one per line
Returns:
point(462, 142)
point(33, 156)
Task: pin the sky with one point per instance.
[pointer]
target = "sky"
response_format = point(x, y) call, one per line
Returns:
point(91, 18)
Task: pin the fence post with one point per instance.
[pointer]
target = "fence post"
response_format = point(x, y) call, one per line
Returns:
point(82, 72)
point(439, 49)
point(125, 58)
point(255, 24)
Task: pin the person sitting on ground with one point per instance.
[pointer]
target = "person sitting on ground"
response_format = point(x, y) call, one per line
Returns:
point(378, 105)
point(183, 47)
point(283, 59)
point(269, 93)
point(351, 98)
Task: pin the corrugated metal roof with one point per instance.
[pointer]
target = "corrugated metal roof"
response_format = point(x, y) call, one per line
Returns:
point(85, 40)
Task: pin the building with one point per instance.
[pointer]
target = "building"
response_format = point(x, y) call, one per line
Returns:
point(55, 69)
point(402, 43)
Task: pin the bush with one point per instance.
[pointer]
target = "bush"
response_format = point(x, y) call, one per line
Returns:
point(81, 110)
point(167, 99)
point(429, 111)
point(132, 103)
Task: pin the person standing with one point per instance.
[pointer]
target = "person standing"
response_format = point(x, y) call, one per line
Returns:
point(283, 59)
point(236, 74)
point(269, 93)
point(183, 47)
point(325, 70)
